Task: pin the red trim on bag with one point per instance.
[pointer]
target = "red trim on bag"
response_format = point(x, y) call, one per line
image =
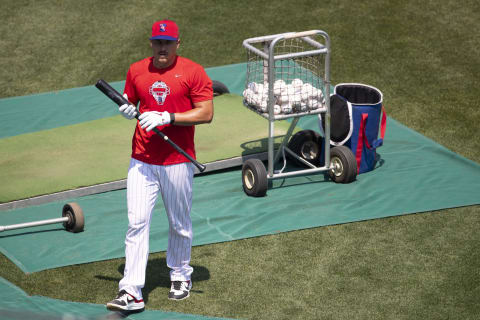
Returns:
point(383, 124)
point(365, 136)
point(361, 138)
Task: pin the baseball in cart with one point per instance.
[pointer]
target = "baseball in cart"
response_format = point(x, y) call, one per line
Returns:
point(288, 77)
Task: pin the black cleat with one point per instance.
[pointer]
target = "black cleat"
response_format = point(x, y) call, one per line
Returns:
point(125, 302)
point(180, 290)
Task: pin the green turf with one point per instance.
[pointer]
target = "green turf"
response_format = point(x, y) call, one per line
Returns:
point(98, 151)
point(423, 55)
point(64, 158)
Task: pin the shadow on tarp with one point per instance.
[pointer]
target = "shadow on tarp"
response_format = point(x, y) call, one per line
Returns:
point(29, 231)
point(157, 275)
point(260, 145)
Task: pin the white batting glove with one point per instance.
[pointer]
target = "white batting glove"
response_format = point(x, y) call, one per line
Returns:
point(128, 110)
point(152, 119)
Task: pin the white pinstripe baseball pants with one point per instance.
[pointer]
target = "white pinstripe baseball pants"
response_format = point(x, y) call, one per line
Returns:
point(144, 181)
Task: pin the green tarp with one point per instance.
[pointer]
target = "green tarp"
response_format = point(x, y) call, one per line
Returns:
point(15, 304)
point(66, 107)
point(415, 175)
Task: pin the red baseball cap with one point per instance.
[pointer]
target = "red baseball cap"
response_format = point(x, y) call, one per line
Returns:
point(164, 29)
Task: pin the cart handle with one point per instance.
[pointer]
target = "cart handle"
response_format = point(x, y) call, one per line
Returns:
point(300, 34)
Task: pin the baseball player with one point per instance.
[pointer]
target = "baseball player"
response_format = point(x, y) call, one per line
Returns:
point(175, 94)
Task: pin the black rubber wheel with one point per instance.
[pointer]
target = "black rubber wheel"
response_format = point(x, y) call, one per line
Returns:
point(307, 144)
point(254, 178)
point(219, 88)
point(76, 220)
point(344, 165)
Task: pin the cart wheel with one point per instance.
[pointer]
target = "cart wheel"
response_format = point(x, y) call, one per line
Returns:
point(344, 165)
point(76, 221)
point(254, 178)
point(307, 144)
point(219, 88)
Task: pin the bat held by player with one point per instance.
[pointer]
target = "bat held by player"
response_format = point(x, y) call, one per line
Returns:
point(116, 97)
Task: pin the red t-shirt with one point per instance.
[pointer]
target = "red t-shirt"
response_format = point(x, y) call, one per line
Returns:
point(174, 90)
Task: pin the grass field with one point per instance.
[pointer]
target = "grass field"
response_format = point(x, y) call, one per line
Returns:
point(423, 55)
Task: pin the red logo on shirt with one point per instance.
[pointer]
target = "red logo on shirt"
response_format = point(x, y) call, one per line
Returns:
point(159, 90)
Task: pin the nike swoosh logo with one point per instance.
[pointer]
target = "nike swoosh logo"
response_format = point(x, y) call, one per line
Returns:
point(178, 75)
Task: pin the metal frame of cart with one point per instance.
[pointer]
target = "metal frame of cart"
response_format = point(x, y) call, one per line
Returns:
point(271, 64)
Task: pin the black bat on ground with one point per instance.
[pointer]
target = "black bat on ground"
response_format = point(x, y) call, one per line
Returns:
point(116, 97)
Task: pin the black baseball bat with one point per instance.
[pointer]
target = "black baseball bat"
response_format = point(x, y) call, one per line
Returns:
point(116, 97)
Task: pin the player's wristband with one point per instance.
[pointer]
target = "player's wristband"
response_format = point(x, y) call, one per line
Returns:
point(172, 118)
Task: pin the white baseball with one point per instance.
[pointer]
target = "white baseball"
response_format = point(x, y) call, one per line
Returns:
point(296, 99)
point(312, 104)
point(307, 90)
point(305, 96)
point(282, 98)
point(277, 109)
point(307, 86)
point(278, 86)
point(263, 106)
point(286, 108)
point(297, 83)
point(260, 88)
point(290, 89)
point(263, 96)
point(302, 107)
point(256, 99)
point(297, 86)
point(247, 95)
point(320, 96)
point(314, 93)
point(252, 86)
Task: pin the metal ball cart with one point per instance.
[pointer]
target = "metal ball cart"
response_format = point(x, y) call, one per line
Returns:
point(288, 76)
